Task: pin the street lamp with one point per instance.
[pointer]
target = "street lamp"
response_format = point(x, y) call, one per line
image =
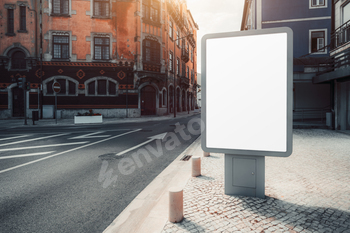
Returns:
point(174, 100)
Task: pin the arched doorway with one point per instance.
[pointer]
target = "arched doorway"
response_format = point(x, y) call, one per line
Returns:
point(188, 101)
point(178, 99)
point(17, 102)
point(171, 99)
point(183, 101)
point(148, 100)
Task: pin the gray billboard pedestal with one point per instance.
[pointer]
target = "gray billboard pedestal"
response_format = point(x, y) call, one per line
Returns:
point(245, 175)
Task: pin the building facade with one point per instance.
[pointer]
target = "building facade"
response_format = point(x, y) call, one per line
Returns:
point(336, 72)
point(117, 57)
point(311, 23)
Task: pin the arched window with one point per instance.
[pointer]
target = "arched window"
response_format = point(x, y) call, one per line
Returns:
point(101, 86)
point(69, 86)
point(164, 98)
point(18, 60)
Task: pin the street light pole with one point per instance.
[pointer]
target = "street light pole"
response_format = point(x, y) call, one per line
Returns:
point(175, 68)
point(174, 95)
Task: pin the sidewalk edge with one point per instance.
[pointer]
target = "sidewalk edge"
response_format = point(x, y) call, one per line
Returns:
point(148, 212)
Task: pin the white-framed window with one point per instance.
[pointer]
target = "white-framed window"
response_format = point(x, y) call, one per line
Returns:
point(171, 30)
point(177, 38)
point(101, 86)
point(69, 86)
point(318, 41)
point(346, 12)
point(317, 4)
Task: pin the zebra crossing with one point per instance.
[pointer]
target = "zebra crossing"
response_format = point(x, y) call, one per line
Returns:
point(23, 147)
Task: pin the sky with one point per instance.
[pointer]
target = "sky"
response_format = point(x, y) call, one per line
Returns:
point(214, 16)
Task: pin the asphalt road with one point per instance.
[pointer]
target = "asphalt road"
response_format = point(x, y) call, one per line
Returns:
point(79, 178)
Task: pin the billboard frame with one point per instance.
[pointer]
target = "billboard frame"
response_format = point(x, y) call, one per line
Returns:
point(289, 92)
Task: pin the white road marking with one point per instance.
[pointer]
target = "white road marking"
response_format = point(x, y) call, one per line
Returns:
point(2, 139)
point(33, 139)
point(63, 152)
point(90, 135)
point(42, 146)
point(159, 136)
point(26, 155)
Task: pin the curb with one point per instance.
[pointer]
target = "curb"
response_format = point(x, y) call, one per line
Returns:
point(148, 212)
point(10, 124)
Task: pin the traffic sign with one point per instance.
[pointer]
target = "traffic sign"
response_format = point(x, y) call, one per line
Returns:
point(56, 87)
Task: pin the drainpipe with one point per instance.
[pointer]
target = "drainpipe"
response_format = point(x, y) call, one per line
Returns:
point(36, 32)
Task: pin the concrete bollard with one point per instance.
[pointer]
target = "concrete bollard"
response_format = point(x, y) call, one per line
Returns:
point(196, 166)
point(175, 205)
point(206, 154)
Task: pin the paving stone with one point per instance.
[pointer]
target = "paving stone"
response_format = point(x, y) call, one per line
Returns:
point(306, 192)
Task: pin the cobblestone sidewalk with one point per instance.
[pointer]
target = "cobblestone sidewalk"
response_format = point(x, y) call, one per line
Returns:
point(306, 192)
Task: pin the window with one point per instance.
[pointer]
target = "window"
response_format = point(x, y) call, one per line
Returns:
point(60, 7)
point(183, 69)
point(101, 48)
point(164, 98)
point(191, 54)
point(171, 65)
point(188, 72)
point(177, 38)
point(60, 47)
point(346, 12)
point(150, 10)
point(101, 86)
point(18, 60)
point(101, 8)
point(192, 76)
point(69, 86)
point(318, 3)
point(10, 22)
point(317, 41)
point(22, 19)
point(170, 30)
point(178, 66)
point(151, 51)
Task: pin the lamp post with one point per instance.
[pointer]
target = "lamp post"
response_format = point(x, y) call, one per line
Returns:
point(174, 99)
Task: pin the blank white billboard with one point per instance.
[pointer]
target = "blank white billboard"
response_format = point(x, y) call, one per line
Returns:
point(247, 97)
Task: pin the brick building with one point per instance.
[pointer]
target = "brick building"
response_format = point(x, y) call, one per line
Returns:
point(116, 57)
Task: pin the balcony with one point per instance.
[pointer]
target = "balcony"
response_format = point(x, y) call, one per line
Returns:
point(174, 8)
point(337, 67)
point(340, 38)
point(184, 81)
point(185, 55)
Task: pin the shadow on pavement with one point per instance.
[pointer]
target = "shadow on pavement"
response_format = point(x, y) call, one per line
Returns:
point(283, 214)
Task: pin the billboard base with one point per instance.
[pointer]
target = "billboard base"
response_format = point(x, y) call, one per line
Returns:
point(245, 175)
